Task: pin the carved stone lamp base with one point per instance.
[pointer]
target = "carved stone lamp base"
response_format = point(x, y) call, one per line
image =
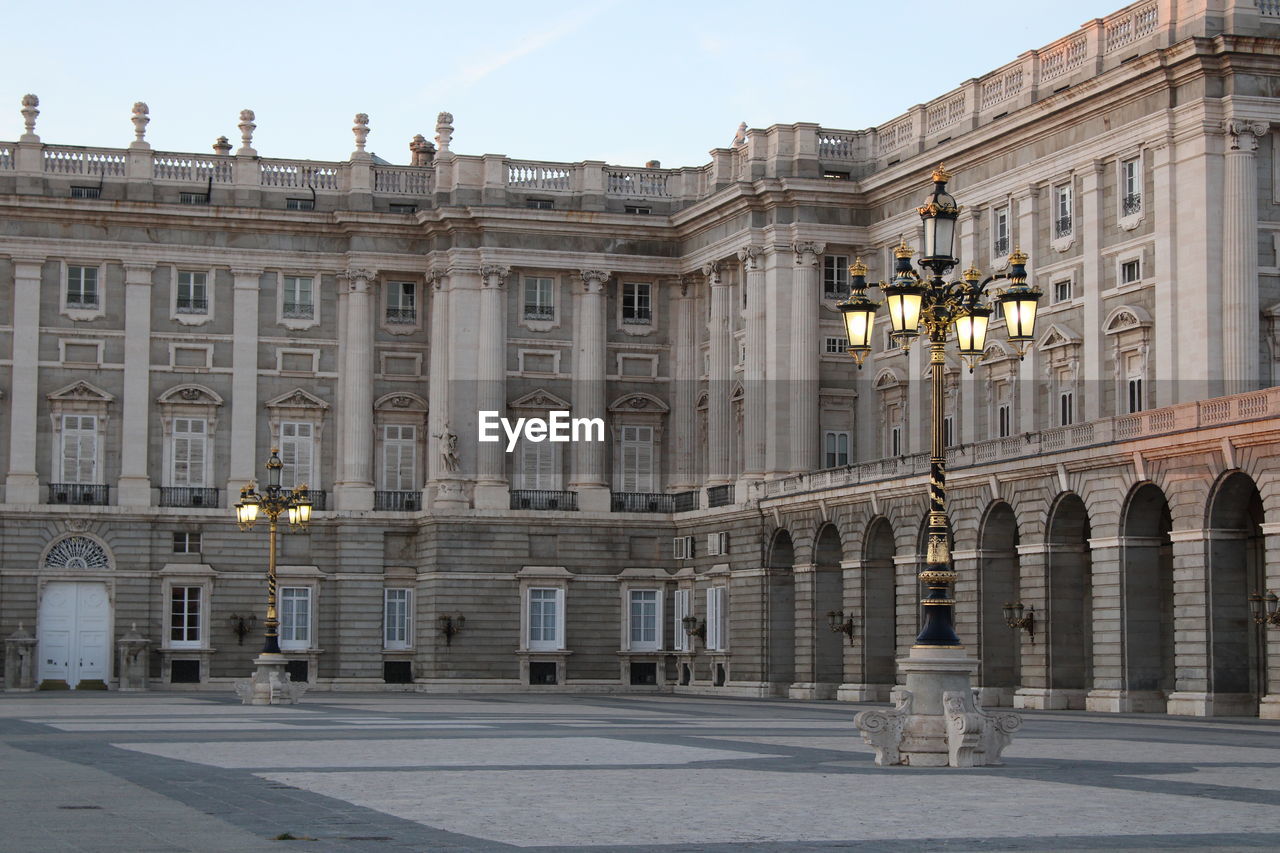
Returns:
point(270, 684)
point(936, 721)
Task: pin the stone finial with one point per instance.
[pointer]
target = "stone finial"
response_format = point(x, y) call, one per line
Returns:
point(29, 113)
point(141, 118)
point(421, 151)
point(221, 146)
point(247, 127)
point(361, 131)
point(653, 164)
point(444, 131)
point(740, 138)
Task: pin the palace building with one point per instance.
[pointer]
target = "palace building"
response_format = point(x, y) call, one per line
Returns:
point(167, 319)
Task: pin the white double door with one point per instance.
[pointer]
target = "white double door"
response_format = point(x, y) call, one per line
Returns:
point(74, 632)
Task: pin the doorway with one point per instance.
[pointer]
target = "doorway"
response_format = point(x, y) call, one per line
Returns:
point(74, 631)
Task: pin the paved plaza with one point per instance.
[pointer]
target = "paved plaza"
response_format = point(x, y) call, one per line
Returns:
point(385, 772)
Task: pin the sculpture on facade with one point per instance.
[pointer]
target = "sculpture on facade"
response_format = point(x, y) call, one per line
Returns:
point(448, 448)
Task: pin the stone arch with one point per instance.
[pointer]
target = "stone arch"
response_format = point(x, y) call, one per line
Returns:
point(879, 618)
point(1147, 584)
point(1236, 566)
point(999, 647)
point(76, 551)
point(780, 666)
point(1068, 624)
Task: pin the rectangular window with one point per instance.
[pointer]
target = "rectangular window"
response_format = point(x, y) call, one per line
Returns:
point(295, 617)
point(1066, 408)
point(1130, 271)
point(717, 543)
point(1062, 291)
point(193, 295)
point(401, 303)
point(682, 548)
point(836, 346)
point(539, 465)
point(539, 299)
point(645, 621)
point(680, 611)
point(186, 543)
point(188, 451)
point(298, 302)
point(835, 276)
point(299, 204)
point(836, 449)
point(396, 620)
point(895, 441)
point(637, 459)
point(1130, 188)
point(637, 210)
point(716, 620)
point(539, 204)
point(193, 198)
point(184, 617)
point(399, 457)
point(1136, 402)
point(86, 192)
point(1004, 420)
point(1062, 211)
point(80, 449)
point(297, 453)
point(948, 431)
point(406, 209)
point(637, 305)
point(1000, 232)
point(82, 287)
point(546, 618)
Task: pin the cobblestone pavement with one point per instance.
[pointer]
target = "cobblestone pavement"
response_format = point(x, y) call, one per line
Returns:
point(395, 772)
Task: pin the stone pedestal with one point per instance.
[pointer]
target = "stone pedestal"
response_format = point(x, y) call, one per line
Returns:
point(133, 651)
point(936, 722)
point(1269, 708)
point(270, 684)
point(20, 660)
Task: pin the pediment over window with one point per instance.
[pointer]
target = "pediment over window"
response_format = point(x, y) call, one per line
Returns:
point(1058, 336)
point(539, 399)
point(1124, 318)
point(639, 402)
point(887, 378)
point(81, 392)
point(297, 399)
point(997, 351)
point(190, 395)
point(400, 401)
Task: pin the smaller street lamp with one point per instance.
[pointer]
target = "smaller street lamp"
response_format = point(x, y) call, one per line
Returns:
point(694, 628)
point(840, 624)
point(1265, 609)
point(1014, 618)
point(859, 313)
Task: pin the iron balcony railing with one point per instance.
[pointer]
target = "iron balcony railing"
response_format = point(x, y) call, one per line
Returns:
point(547, 499)
point(81, 494)
point(403, 316)
point(637, 316)
point(1000, 247)
point(1062, 226)
point(539, 312)
point(298, 311)
point(641, 502)
point(82, 300)
point(190, 496)
point(318, 497)
point(193, 305)
point(719, 495)
point(397, 501)
point(684, 501)
point(1132, 204)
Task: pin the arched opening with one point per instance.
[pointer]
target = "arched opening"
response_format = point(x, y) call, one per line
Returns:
point(999, 646)
point(1068, 628)
point(1237, 650)
point(829, 645)
point(1148, 595)
point(879, 615)
point(781, 670)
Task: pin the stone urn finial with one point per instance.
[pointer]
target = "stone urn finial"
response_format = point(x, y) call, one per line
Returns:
point(444, 131)
point(141, 118)
point(246, 133)
point(361, 131)
point(29, 113)
point(221, 146)
point(740, 138)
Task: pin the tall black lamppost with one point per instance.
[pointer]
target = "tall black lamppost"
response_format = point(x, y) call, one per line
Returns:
point(926, 304)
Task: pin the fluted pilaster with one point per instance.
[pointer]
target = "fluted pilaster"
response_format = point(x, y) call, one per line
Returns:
point(354, 489)
point(244, 380)
point(753, 373)
point(684, 425)
point(721, 374)
point(23, 483)
point(589, 385)
point(805, 356)
point(491, 391)
point(134, 488)
point(1240, 367)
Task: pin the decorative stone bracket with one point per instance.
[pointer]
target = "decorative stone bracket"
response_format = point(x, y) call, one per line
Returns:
point(976, 737)
point(270, 685)
point(882, 730)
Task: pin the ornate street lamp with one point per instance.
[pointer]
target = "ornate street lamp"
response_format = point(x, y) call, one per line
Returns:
point(927, 304)
point(1265, 609)
point(859, 313)
point(841, 624)
point(270, 684)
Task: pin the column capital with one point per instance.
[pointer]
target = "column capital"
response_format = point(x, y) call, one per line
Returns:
point(711, 270)
point(357, 278)
point(750, 257)
point(436, 277)
point(807, 251)
point(494, 275)
point(687, 282)
point(593, 280)
point(1243, 135)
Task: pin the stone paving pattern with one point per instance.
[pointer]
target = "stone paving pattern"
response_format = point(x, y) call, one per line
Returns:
point(116, 772)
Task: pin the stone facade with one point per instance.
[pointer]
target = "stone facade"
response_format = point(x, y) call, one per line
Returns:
point(167, 319)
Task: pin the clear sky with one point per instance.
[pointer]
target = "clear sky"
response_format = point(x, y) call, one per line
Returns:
point(622, 82)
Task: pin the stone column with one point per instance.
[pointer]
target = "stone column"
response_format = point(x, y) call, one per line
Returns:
point(777, 359)
point(1165, 341)
point(134, 486)
point(1269, 708)
point(492, 489)
point(1192, 602)
point(590, 479)
point(1108, 692)
point(806, 652)
point(684, 373)
point(22, 485)
point(720, 376)
point(805, 299)
point(354, 489)
point(1240, 369)
point(753, 372)
point(245, 455)
point(1033, 666)
point(1092, 215)
point(445, 492)
point(854, 686)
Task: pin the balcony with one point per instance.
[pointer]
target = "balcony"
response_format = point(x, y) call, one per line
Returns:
point(1131, 204)
point(539, 312)
point(641, 502)
point(1000, 246)
point(80, 494)
point(188, 496)
point(318, 497)
point(402, 316)
point(684, 501)
point(1062, 226)
point(193, 305)
point(544, 499)
point(637, 316)
point(719, 495)
point(83, 301)
point(397, 501)
point(297, 311)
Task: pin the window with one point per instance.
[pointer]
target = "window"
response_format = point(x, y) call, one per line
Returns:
point(298, 301)
point(193, 296)
point(637, 210)
point(188, 452)
point(682, 548)
point(82, 287)
point(546, 618)
point(637, 459)
point(1130, 271)
point(895, 441)
point(678, 613)
point(836, 449)
point(1136, 402)
point(1130, 188)
point(399, 457)
point(539, 204)
point(1062, 291)
point(86, 192)
point(1000, 232)
point(1066, 408)
point(645, 621)
point(637, 307)
point(717, 543)
point(716, 618)
point(1004, 420)
point(297, 453)
point(403, 208)
point(836, 346)
point(539, 300)
point(1062, 211)
point(80, 449)
point(396, 619)
point(184, 617)
point(539, 465)
point(299, 204)
point(186, 543)
point(295, 617)
point(832, 175)
point(835, 276)
point(193, 198)
point(400, 302)
point(948, 431)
